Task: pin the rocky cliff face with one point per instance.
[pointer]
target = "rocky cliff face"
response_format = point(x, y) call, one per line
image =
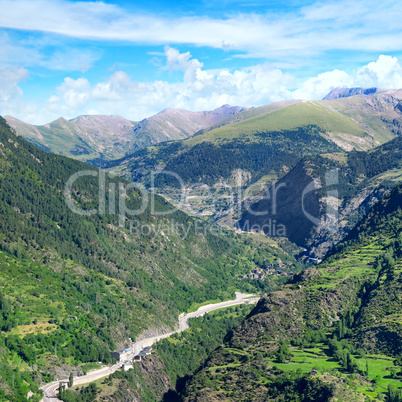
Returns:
point(146, 381)
point(302, 204)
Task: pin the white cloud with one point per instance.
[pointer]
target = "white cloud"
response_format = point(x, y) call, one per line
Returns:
point(334, 10)
point(74, 93)
point(10, 92)
point(70, 60)
point(318, 87)
point(16, 53)
point(317, 28)
point(180, 61)
point(34, 53)
point(386, 72)
point(199, 89)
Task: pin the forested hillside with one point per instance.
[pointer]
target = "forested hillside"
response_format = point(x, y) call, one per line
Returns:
point(332, 333)
point(263, 153)
point(75, 287)
point(161, 375)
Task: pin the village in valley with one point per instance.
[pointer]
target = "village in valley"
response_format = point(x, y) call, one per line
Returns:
point(267, 269)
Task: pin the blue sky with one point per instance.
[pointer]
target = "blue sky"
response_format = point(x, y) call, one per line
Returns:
point(66, 58)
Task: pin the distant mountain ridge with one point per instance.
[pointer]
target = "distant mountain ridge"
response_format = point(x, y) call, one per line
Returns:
point(351, 123)
point(337, 93)
point(101, 137)
point(346, 92)
point(379, 113)
point(178, 124)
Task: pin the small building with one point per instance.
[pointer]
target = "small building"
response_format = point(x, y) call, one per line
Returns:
point(313, 372)
point(144, 352)
point(127, 366)
point(122, 354)
point(140, 356)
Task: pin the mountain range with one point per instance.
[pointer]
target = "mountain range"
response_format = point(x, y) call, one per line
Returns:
point(92, 138)
point(75, 287)
point(359, 122)
point(239, 161)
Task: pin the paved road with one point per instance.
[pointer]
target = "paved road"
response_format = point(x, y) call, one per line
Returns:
point(51, 388)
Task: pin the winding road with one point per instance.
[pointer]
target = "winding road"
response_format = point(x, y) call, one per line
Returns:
point(51, 388)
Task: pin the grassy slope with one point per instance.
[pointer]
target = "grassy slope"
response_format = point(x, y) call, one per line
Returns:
point(253, 112)
point(336, 123)
point(298, 115)
point(354, 286)
point(356, 108)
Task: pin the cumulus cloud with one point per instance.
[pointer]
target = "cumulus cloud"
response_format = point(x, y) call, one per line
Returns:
point(317, 87)
point(385, 72)
point(198, 89)
point(71, 94)
point(180, 61)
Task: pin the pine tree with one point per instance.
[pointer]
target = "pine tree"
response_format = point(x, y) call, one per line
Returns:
point(61, 390)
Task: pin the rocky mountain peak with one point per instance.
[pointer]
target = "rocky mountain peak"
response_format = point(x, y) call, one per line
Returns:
point(347, 92)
